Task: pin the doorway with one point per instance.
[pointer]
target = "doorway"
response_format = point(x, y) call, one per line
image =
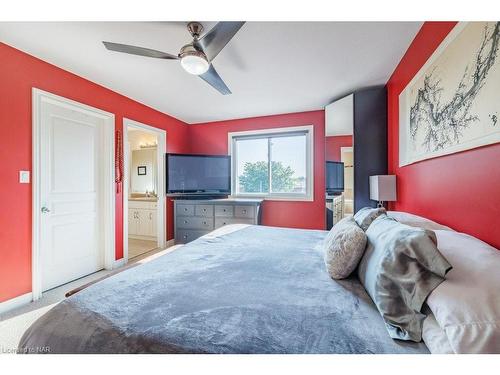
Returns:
point(144, 189)
point(347, 157)
point(73, 191)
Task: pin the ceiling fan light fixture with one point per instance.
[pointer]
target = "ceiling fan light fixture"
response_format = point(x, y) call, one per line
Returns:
point(193, 64)
point(193, 56)
point(193, 61)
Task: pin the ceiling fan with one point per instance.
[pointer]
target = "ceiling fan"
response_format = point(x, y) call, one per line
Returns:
point(196, 57)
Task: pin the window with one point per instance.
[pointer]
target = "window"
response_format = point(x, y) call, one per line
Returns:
point(275, 163)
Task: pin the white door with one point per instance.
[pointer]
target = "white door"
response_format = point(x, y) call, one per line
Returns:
point(71, 193)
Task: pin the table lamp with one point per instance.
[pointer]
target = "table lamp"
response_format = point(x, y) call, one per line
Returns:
point(383, 189)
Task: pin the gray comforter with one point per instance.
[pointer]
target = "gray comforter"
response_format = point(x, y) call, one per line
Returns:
point(254, 290)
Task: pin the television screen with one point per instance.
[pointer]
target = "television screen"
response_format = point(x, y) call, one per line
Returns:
point(198, 174)
point(334, 177)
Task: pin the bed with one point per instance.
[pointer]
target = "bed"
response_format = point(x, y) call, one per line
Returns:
point(242, 289)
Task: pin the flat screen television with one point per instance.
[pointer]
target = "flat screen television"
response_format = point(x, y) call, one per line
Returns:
point(334, 177)
point(198, 175)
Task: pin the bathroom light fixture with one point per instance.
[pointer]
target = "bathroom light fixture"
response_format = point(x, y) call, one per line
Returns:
point(148, 145)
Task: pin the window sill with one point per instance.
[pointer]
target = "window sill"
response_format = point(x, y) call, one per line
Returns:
point(276, 198)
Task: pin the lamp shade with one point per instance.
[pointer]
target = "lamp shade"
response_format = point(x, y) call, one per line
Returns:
point(383, 188)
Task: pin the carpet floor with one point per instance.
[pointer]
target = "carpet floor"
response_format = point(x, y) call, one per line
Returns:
point(15, 322)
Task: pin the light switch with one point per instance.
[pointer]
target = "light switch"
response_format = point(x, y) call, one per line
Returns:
point(24, 177)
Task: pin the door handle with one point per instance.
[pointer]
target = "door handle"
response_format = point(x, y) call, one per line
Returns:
point(45, 210)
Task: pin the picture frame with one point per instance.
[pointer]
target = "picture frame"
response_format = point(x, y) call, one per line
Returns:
point(141, 170)
point(450, 105)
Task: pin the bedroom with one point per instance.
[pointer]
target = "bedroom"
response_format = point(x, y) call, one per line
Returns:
point(336, 193)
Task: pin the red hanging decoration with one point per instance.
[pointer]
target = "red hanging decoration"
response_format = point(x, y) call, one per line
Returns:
point(118, 161)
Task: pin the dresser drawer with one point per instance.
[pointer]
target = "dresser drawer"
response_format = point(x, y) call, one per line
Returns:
point(185, 236)
point(192, 222)
point(221, 221)
point(224, 211)
point(244, 211)
point(206, 210)
point(185, 209)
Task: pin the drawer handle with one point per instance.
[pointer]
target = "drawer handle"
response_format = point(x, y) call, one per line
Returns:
point(185, 236)
point(185, 209)
point(185, 222)
point(224, 223)
point(224, 210)
point(204, 223)
point(204, 210)
point(244, 211)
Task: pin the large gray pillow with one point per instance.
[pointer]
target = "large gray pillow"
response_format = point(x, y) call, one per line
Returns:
point(344, 247)
point(399, 269)
point(367, 215)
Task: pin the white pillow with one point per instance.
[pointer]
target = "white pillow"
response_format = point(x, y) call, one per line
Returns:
point(416, 221)
point(435, 337)
point(467, 304)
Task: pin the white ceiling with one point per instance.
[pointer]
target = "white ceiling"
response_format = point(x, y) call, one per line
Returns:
point(271, 67)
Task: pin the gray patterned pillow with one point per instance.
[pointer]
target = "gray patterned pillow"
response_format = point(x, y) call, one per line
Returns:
point(366, 215)
point(344, 247)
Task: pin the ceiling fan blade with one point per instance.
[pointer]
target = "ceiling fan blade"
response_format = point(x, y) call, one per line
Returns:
point(141, 51)
point(217, 38)
point(213, 79)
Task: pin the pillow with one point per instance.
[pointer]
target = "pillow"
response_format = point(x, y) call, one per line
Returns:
point(399, 269)
point(416, 221)
point(366, 215)
point(467, 304)
point(435, 337)
point(344, 246)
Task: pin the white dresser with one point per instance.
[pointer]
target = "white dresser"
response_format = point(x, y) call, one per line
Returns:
point(142, 219)
point(335, 209)
point(195, 218)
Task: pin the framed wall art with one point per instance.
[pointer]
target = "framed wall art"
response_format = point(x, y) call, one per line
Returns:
point(453, 103)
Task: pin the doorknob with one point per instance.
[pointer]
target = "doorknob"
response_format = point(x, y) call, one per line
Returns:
point(45, 210)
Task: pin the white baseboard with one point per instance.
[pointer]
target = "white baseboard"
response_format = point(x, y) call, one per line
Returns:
point(119, 263)
point(15, 302)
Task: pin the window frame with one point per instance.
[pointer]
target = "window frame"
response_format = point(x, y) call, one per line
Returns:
point(276, 132)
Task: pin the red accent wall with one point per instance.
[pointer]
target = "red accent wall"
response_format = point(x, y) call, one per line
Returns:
point(334, 144)
point(460, 190)
point(19, 72)
point(212, 138)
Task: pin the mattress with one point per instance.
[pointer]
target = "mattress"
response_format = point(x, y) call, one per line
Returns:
point(246, 289)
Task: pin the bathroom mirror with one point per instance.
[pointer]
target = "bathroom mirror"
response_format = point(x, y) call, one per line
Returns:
point(143, 171)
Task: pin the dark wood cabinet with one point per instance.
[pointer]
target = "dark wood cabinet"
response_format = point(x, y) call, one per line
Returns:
point(369, 141)
point(364, 115)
